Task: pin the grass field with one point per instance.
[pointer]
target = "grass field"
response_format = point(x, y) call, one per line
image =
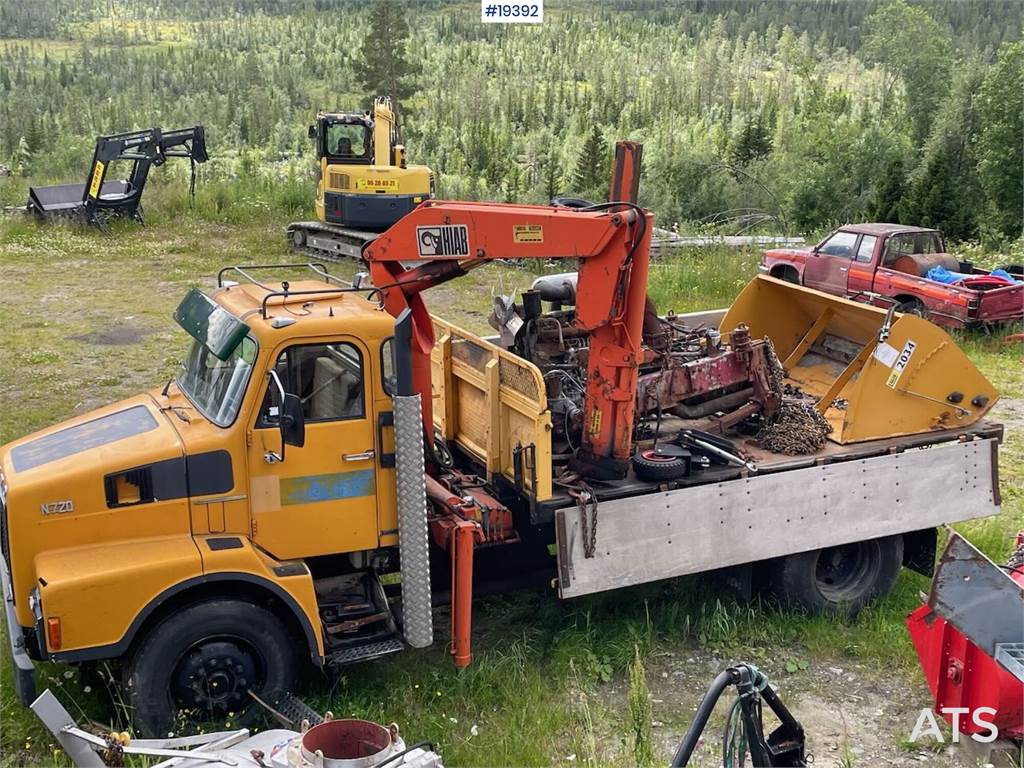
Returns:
point(550, 683)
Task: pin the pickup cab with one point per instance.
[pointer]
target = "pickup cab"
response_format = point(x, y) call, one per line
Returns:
point(886, 264)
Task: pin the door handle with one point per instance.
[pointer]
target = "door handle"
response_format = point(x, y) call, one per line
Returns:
point(359, 456)
point(843, 269)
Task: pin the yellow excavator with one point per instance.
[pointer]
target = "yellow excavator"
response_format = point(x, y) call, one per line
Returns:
point(365, 184)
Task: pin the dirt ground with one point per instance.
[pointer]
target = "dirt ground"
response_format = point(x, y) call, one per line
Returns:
point(852, 714)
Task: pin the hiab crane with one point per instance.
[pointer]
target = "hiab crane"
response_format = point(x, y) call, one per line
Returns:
point(365, 182)
point(322, 436)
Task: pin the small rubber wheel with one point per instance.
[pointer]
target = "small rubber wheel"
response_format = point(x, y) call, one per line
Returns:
point(912, 307)
point(298, 238)
point(839, 580)
point(199, 664)
point(650, 466)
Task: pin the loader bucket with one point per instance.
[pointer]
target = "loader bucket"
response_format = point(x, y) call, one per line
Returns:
point(916, 380)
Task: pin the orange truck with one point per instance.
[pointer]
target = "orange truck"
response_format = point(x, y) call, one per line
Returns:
point(888, 264)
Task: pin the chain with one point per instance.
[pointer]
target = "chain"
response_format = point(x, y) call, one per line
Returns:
point(796, 427)
point(586, 501)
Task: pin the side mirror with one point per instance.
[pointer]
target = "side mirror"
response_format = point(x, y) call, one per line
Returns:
point(312, 131)
point(289, 419)
point(293, 424)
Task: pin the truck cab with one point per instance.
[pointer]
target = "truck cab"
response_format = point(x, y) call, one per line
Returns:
point(254, 488)
point(892, 264)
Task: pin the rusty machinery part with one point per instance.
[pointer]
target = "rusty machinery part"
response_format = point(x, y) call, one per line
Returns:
point(744, 726)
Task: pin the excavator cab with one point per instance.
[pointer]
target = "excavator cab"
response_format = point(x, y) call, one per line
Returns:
point(365, 181)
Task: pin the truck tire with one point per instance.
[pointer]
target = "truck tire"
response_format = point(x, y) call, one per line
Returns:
point(838, 580)
point(198, 664)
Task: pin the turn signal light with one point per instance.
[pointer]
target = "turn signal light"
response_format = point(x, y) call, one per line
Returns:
point(53, 638)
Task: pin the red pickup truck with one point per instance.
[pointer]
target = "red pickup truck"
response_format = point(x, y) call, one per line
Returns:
point(887, 263)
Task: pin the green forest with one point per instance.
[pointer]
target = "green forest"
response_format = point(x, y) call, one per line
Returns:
point(755, 115)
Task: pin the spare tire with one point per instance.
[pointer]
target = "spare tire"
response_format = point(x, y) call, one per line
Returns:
point(838, 580)
point(650, 465)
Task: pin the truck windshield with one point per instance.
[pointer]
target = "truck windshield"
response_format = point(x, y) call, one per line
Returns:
point(216, 387)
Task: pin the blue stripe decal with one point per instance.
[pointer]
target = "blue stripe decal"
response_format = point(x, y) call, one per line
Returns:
point(331, 487)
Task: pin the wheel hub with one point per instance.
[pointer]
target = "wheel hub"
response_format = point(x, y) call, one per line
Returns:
point(215, 677)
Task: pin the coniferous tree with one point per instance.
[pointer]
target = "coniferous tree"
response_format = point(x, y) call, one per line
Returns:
point(889, 194)
point(591, 178)
point(383, 66)
point(998, 145)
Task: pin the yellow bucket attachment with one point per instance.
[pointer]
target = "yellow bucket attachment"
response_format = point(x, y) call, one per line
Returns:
point(914, 380)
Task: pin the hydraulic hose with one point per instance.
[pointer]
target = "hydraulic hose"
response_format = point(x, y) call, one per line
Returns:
point(707, 705)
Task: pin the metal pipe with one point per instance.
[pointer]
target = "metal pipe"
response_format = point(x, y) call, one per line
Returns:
point(461, 546)
point(723, 403)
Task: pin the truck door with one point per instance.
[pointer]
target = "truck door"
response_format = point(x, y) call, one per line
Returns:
point(862, 269)
point(322, 499)
point(828, 267)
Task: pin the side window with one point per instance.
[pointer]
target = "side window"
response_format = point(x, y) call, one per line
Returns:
point(328, 378)
point(840, 244)
point(387, 366)
point(867, 247)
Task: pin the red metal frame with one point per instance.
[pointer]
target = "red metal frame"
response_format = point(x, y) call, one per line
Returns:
point(960, 674)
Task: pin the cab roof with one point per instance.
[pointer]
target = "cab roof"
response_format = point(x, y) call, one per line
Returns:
point(336, 309)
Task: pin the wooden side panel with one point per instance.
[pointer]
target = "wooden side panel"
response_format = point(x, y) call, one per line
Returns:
point(490, 402)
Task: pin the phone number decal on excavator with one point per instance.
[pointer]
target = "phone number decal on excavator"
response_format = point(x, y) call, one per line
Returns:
point(376, 184)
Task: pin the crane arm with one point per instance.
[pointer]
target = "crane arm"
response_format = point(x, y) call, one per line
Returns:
point(442, 240)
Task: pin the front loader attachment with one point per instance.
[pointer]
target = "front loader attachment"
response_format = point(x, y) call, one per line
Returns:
point(871, 372)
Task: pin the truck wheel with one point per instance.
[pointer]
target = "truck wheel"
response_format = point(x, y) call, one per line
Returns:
point(912, 307)
point(650, 466)
point(839, 580)
point(199, 664)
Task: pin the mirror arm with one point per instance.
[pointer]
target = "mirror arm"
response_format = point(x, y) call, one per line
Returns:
point(272, 457)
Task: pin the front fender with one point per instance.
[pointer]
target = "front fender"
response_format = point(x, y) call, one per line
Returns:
point(97, 591)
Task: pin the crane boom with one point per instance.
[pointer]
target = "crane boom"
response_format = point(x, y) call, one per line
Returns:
point(442, 240)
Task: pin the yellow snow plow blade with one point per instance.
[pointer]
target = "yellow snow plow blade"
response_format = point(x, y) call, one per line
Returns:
point(867, 384)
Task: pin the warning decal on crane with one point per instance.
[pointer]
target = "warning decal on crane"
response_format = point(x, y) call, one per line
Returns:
point(443, 240)
point(528, 233)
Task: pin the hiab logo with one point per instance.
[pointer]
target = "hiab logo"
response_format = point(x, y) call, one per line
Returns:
point(927, 725)
point(443, 240)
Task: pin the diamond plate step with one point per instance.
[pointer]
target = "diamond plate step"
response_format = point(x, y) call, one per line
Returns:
point(366, 652)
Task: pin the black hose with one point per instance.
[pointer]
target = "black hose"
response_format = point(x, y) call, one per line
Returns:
point(707, 705)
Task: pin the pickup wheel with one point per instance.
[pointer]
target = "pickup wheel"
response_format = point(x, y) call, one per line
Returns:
point(839, 580)
point(787, 273)
point(199, 664)
point(911, 306)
